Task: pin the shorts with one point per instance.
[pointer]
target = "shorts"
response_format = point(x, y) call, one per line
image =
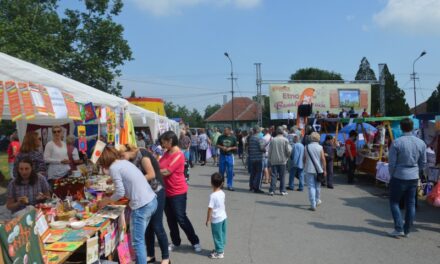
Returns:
point(214, 151)
point(265, 163)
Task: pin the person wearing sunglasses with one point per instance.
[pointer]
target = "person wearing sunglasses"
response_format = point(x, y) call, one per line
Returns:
point(55, 155)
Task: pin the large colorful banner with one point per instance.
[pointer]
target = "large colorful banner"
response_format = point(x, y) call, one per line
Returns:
point(26, 97)
point(332, 97)
point(14, 101)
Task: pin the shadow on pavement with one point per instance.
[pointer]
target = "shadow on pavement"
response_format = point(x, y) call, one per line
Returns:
point(275, 203)
point(354, 229)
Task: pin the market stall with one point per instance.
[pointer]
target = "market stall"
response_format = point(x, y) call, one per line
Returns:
point(72, 228)
point(69, 225)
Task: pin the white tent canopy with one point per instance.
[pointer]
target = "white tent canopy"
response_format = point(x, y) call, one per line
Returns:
point(18, 70)
point(145, 118)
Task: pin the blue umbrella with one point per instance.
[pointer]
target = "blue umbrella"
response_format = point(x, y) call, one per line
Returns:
point(353, 126)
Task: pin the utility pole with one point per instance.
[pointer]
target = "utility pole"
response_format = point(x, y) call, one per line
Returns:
point(232, 90)
point(382, 88)
point(413, 77)
point(260, 105)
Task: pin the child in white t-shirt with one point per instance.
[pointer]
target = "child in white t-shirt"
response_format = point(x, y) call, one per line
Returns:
point(217, 215)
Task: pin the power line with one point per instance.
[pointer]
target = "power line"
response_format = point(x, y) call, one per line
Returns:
point(165, 84)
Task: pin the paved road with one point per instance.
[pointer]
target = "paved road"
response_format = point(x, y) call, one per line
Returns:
point(349, 227)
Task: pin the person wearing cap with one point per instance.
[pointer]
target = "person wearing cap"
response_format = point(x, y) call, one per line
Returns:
point(329, 153)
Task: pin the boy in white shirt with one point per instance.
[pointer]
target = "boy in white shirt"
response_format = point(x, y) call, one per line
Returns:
point(217, 215)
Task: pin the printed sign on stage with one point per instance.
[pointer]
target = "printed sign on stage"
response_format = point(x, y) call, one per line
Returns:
point(325, 97)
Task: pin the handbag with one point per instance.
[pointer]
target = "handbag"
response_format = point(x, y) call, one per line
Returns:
point(319, 175)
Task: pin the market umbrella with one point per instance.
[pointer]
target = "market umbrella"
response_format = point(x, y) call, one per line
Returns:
point(358, 128)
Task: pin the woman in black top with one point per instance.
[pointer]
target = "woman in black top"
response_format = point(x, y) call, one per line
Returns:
point(149, 166)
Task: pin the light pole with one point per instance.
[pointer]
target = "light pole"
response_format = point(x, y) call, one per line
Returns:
point(232, 90)
point(414, 80)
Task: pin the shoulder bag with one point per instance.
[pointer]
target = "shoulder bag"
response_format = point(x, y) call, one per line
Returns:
point(319, 176)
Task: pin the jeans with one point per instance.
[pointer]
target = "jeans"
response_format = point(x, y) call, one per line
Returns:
point(351, 169)
point(314, 189)
point(203, 155)
point(329, 165)
point(293, 172)
point(194, 154)
point(256, 174)
point(139, 222)
point(219, 235)
point(175, 210)
point(406, 189)
point(156, 227)
point(278, 170)
point(227, 165)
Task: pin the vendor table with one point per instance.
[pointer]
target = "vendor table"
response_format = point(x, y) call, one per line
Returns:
point(62, 256)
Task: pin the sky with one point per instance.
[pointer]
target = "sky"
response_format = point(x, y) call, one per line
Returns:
point(178, 45)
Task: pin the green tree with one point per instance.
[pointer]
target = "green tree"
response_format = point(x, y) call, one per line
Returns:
point(433, 102)
point(211, 109)
point(86, 45)
point(365, 73)
point(315, 74)
point(395, 102)
point(195, 119)
point(191, 117)
point(170, 109)
point(133, 94)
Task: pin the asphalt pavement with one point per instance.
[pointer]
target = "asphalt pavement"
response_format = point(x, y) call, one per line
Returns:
point(350, 226)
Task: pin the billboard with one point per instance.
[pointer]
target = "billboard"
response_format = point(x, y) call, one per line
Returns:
point(153, 104)
point(332, 97)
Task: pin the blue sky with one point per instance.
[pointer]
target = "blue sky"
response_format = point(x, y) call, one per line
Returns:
point(178, 45)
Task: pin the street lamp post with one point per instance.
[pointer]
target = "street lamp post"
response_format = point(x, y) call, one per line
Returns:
point(414, 80)
point(232, 90)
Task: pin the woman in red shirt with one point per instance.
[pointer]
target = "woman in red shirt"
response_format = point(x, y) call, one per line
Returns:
point(13, 149)
point(172, 169)
point(350, 154)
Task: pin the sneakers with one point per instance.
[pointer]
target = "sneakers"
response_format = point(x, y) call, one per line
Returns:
point(271, 193)
point(197, 248)
point(312, 208)
point(258, 191)
point(172, 247)
point(231, 189)
point(290, 188)
point(396, 234)
point(216, 255)
point(318, 203)
point(283, 193)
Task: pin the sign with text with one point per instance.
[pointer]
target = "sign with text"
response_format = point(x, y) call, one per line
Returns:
point(332, 97)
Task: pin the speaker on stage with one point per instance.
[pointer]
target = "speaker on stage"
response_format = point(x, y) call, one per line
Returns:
point(305, 110)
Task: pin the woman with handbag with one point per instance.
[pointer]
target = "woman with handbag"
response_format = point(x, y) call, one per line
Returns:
point(315, 169)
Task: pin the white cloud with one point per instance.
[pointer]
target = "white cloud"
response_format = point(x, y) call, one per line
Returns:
point(169, 7)
point(410, 16)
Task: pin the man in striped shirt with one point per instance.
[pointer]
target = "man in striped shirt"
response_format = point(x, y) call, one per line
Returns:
point(256, 149)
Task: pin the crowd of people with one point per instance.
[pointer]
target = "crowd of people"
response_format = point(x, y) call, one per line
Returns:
point(157, 182)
